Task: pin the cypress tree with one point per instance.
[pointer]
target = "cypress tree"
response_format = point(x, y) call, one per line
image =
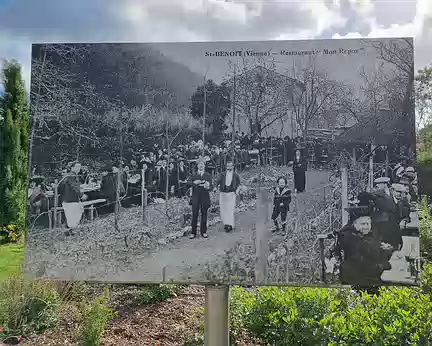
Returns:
point(14, 148)
point(3, 150)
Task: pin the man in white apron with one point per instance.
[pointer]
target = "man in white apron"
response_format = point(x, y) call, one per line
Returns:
point(72, 195)
point(229, 183)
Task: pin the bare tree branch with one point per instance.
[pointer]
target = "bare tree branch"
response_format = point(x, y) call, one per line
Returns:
point(262, 94)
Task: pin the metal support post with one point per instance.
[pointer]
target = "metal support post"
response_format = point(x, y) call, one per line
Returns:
point(216, 316)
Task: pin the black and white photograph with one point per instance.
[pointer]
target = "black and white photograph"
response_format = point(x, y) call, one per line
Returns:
point(239, 163)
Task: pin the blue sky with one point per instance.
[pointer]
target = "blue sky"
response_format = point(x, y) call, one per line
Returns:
point(23, 22)
point(4, 3)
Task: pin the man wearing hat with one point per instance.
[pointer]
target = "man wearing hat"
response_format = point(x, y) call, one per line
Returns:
point(182, 174)
point(108, 189)
point(363, 257)
point(201, 184)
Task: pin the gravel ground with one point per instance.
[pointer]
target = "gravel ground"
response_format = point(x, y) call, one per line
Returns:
point(170, 323)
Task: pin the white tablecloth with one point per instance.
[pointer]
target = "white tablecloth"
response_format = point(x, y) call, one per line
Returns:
point(400, 267)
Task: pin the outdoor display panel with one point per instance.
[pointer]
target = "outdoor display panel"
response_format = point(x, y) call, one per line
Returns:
point(254, 163)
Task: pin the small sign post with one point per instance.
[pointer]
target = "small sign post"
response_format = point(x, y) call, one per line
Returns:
point(216, 319)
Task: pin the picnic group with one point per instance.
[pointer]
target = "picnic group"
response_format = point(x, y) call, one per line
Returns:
point(189, 171)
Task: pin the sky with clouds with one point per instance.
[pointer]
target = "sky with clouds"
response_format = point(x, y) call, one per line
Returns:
point(23, 22)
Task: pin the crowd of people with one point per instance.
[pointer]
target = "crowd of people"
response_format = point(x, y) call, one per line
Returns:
point(377, 219)
point(192, 171)
point(167, 173)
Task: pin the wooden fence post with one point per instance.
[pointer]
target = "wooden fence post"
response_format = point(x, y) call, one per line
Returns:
point(117, 202)
point(262, 236)
point(325, 197)
point(322, 257)
point(55, 215)
point(371, 168)
point(344, 197)
point(387, 163)
point(143, 196)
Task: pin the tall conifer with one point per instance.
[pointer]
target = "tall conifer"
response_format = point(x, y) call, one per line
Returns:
point(13, 147)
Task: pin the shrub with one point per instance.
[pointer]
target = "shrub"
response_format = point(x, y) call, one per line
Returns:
point(9, 234)
point(309, 316)
point(71, 291)
point(241, 302)
point(397, 316)
point(198, 340)
point(27, 306)
point(425, 220)
point(288, 316)
point(426, 278)
point(96, 317)
point(151, 294)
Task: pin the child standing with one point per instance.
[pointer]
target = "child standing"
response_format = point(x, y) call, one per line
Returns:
point(281, 202)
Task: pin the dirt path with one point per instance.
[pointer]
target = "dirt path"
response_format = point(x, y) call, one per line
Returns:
point(100, 254)
point(184, 254)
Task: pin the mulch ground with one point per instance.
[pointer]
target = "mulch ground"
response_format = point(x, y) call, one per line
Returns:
point(175, 322)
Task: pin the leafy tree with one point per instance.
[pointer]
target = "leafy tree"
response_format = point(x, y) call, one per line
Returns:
point(424, 110)
point(14, 146)
point(218, 105)
point(424, 95)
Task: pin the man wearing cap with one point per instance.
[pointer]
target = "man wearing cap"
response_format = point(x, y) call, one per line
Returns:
point(228, 183)
point(398, 171)
point(383, 183)
point(201, 185)
point(407, 180)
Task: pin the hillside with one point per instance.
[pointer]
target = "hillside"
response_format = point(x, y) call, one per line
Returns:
point(133, 73)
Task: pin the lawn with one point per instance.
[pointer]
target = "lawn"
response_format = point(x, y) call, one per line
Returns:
point(11, 259)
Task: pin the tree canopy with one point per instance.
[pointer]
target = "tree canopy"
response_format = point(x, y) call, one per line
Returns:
point(217, 101)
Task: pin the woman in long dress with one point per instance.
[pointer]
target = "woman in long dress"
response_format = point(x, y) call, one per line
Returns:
point(299, 169)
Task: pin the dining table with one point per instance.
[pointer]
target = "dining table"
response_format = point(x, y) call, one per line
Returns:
point(401, 271)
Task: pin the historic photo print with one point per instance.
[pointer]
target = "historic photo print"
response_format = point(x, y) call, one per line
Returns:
point(256, 163)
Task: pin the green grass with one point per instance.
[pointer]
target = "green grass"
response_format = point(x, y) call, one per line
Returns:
point(11, 260)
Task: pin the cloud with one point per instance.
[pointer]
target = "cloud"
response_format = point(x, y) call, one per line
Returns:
point(26, 21)
point(415, 22)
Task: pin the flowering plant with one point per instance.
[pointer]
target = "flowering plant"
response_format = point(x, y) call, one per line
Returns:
point(9, 234)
